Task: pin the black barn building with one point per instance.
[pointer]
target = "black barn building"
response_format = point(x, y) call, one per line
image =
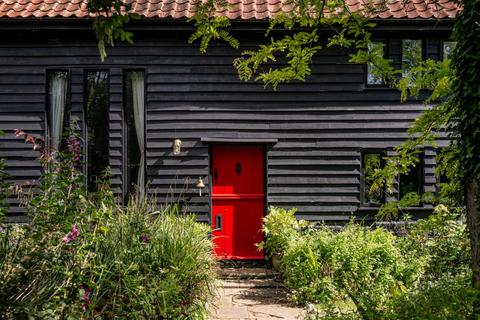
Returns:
point(161, 113)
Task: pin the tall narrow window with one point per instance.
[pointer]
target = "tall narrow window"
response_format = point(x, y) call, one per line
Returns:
point(96, 117)
point(411, 54)
point(412, 181)
point(135, 128)
point(373, 72)
point(57, 106)
point(371, 161)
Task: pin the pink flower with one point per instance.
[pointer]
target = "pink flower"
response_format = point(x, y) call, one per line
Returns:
point(75, 231)
point(72, 234)
point(29, 139)
point(19, 132)
point(67, 239)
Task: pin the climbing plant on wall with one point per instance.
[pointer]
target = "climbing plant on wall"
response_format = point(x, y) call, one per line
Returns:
point(465, 125)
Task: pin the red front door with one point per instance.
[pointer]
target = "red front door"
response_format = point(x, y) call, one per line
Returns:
point(237, 201)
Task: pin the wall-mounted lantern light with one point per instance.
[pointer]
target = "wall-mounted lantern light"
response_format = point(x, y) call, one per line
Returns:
point(177, 146)
point(200, 185)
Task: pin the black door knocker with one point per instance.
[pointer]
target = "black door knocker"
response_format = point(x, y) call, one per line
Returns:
point(238, 167)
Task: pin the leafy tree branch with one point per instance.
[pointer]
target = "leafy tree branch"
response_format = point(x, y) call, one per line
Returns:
point(110, 17)
point(208, 26)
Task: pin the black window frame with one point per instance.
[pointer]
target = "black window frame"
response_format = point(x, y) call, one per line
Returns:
point(84, 119)
point(68, 111)
point(386, 55)
point(420, 166)
point(439, 178)
point(126, 180)
point(383, 154)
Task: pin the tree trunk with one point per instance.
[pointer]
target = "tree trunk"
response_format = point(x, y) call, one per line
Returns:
point(473, 219)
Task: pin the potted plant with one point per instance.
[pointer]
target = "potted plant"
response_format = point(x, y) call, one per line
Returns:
point(280, 227)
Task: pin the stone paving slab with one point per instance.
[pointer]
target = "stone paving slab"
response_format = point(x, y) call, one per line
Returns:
point(240, 300)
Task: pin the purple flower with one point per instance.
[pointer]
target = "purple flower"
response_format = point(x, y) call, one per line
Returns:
point(144, 238)
point(86, 296)
point(72, 234)
point(74, 147)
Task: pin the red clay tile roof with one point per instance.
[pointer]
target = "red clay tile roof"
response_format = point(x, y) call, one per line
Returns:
point(237, 9)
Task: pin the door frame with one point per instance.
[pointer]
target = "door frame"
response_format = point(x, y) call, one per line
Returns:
point(265, 146)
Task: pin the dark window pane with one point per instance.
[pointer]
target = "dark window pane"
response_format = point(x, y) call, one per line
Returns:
point(412, 181)
point(448, 47)
point(96, 116)
point(134, 152)
point(373, 76)
point(411, 54)
point(370, 163)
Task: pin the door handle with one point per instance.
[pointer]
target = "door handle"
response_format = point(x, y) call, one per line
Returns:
point(218, 222)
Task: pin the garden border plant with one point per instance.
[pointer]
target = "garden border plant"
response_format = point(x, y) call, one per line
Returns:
point(83, 256)
point(362, 272)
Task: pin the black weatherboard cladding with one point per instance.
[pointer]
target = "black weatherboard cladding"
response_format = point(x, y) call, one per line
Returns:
point(321, 125)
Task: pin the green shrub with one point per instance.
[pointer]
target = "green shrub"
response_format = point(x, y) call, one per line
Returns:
point(279, 226)
point(441, 239)
point(448, 297)
point(355, 267)
point(364, 273)
point(304, 271)
point(444, 290)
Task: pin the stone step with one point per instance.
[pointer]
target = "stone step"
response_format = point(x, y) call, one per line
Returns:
point(242, 263)
point(247, 273)
point(252, 283)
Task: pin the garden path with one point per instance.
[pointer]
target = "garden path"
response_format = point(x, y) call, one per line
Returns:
point(252, 294)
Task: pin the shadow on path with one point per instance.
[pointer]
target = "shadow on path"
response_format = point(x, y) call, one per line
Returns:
point(253, 294)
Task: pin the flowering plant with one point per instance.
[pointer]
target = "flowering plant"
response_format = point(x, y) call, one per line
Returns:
point(83, 256)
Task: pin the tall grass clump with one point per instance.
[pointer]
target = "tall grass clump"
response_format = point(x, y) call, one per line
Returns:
point(83, 256)
point(150, 265)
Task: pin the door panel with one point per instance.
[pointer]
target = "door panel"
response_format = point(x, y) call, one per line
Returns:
point(237, 201)
point(237, 170)
point(222, 235)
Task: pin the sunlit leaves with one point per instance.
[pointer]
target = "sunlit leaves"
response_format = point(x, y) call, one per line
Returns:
point(109, 21)
point(212, 29)
point(289, 55)
point(297, 51)
point(208, 26)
